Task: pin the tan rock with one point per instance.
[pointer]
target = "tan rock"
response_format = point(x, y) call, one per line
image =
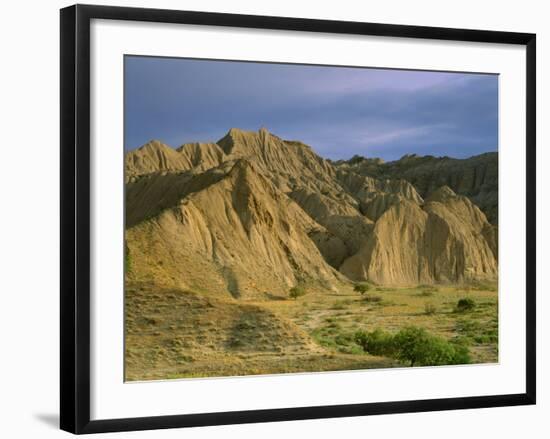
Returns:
point(444, 241)
point(239, 235)
point(255, 213)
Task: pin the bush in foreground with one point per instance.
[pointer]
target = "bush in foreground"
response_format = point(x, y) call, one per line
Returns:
point(414, 346)
point(377, 342)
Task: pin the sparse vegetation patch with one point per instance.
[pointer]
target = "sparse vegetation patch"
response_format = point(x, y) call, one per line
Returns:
point(413, 346)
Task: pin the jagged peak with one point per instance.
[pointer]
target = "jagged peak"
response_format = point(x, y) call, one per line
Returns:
point(239, 132)
point(442, 194)
point(234, 130)
point(153, 144)
point(237, 136)
point(227, 142)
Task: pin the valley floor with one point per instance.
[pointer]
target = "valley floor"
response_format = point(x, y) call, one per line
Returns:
point(172, 333)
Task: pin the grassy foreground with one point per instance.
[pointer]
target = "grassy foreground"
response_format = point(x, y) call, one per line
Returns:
point(172, 333)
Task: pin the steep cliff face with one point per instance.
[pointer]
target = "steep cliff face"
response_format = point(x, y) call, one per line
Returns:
point(442, 241)
point(255, 213)
point(231, 233)
point(393, 253)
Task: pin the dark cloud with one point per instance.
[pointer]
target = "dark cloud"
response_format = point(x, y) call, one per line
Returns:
point(338, 111)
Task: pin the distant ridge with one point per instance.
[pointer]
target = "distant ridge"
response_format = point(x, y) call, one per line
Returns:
point(475, 177)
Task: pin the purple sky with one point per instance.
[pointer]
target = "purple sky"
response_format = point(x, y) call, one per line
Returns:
point(338, 111)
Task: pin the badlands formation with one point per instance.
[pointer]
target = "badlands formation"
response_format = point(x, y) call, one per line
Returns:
point(255, 214)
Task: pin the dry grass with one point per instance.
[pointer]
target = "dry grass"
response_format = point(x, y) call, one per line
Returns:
point(172, 333)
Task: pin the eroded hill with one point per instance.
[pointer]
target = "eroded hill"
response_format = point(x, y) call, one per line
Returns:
point(475, 177)
point(255, 214)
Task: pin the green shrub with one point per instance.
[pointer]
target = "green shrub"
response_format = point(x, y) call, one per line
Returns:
point(414, 346)
point(296, 292)
point(461, 354)
point(465, 304)
point(377, 342)
point(337, 339)
point(361, 288)
point(417, 347)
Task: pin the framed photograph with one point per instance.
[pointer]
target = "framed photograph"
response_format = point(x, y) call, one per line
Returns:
point(268, 218)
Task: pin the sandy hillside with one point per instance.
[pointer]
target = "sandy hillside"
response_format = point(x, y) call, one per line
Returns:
point(254, 213)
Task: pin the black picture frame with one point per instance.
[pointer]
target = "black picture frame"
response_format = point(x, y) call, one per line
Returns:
point(75, 217)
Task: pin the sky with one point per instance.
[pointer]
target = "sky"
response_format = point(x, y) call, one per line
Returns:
point(338, 111)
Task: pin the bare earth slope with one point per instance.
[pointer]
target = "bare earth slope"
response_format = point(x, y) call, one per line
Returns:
point(230, 232)
point(475, 177)
point(441, 241)
point(255, 213)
